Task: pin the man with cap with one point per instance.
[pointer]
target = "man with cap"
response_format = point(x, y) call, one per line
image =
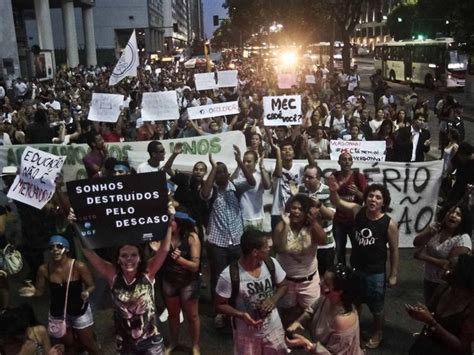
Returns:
point(62, 272)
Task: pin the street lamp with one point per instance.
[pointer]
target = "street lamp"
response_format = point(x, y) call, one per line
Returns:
point(399, 19)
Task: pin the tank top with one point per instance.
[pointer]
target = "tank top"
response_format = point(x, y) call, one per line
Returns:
point(369, 244)
point(75, 304)
point(134, 315)
point(300, 258)
point(174, 273)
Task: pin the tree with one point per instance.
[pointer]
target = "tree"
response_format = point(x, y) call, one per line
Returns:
point(400, 21)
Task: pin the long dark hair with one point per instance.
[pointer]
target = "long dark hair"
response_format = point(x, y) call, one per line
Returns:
point(185, 226)
point(142, 265)
point(347, 281)
point(465, 227)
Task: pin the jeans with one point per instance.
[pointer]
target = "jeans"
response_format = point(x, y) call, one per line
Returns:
point(340, 232)
point(325, 260)
point(219, 258)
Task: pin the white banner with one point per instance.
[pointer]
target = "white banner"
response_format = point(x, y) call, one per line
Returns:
point(282, 110)
point(128, 62)
point(105, 107)
point(205, 81)
point(160, 106)
point(215, 110)
point(35, 184)
point(227, 78)
point(366, 151)
point(310, 79)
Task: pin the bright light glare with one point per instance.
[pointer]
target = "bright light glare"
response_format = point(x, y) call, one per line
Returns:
point(231, 66)
point(456, 66)
point(288, 58)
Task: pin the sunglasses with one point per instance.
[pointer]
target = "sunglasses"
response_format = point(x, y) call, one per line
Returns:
point(57, 246)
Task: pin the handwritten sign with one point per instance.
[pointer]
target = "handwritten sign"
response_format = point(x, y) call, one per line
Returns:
point(35, 184)
point(160, 106)
point(227, 78)
point(105, 107)
point(215, 110)
point(286, 80)
point(127, 209)
point(366, 151)
point(205, 81)
point(282, 110)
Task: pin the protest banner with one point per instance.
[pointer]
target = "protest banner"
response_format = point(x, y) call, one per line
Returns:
point(160, 106)
point(125, 209)
point(35, 183)
point(227, 78)
point(366, 151)
point(205, 81)
point(127, 63)
point(310, 79)
point(286, 80)
point(194, 149)
point(214, 110)
point(105, 107)
point(282, 110)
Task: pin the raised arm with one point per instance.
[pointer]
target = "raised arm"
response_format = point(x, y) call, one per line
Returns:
point(280, 234)
point(177, 150)
point(155, 262)
point(278, 172)
point(248, 175)
point(206, 189)
point(266, 180)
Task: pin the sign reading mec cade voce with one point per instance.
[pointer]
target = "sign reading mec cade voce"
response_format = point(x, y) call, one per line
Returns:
point(128, 209)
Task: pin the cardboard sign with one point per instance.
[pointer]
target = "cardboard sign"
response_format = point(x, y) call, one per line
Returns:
point(227, 78)
point(35, 184)
point(367, 151)
point(215, 110)
point(126, 209)
point(282, 110)
point(105, 107)
point(286, 80)
point(160, 106)
point(205, 81)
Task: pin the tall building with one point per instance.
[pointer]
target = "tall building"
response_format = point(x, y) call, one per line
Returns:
point(16, 54)
point(176, 22)
point(196, 20)
point(372, 27)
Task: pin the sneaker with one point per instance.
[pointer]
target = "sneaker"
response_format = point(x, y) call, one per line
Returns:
point(219, 321)
point(181, 317)
point(163, 316)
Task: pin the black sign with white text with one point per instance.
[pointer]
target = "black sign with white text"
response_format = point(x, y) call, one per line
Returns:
point(127, 209)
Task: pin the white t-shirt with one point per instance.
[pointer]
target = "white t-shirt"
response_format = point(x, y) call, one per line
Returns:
point(375, 126)
point(251, 201)
point(252, 291)
point(147, 168)
point(442, 251)
point(281, 187)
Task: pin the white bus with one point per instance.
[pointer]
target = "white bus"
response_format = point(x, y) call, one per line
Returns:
point(319, 53)
point(422, 62)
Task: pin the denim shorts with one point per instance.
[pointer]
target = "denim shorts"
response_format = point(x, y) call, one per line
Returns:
point(374, 291)
point(186, 293)
point(78, 322)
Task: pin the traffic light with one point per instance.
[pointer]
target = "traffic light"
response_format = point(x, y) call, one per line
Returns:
point(215, 18)
point(35, 49)
point(175, 27)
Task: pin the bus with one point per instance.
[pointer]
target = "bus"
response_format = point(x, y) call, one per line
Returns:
point(423, 61)
point(319, 53)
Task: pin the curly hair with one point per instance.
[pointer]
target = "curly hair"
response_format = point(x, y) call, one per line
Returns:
point(385, 195)
point(142, 265)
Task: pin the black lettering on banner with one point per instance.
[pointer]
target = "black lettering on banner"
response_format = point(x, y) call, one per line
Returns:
point(390, 179)
point(425, 182)
point(371, 171)
point(407, 177)
point(423, 211)
point(406, 220)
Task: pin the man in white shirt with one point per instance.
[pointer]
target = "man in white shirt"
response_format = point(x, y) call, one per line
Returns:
point(157, 152)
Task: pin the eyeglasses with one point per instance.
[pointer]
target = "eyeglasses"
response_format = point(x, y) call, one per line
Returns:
point(57, 246)
point(309, 177)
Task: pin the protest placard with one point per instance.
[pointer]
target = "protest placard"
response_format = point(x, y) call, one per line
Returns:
point(310, 79)
point(126, 209)
point(286, 80)
point(366, 151)
point(282, 110)
point(227, 78)
point(160, 106)
point(205, 81)
point(215, 110)
point(105, 107)
point(35, 184)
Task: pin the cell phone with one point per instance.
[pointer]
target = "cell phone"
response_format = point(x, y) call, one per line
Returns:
point(289, 335)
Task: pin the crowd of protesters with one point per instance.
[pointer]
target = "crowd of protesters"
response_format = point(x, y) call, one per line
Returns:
point(306, 296)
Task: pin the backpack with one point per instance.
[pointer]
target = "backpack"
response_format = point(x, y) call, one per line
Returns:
point(235, 278)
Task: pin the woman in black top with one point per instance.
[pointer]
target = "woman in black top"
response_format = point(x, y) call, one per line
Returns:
point(181, 284)
point(78, 312)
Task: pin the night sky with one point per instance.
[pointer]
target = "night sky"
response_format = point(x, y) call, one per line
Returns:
point(211, 8)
